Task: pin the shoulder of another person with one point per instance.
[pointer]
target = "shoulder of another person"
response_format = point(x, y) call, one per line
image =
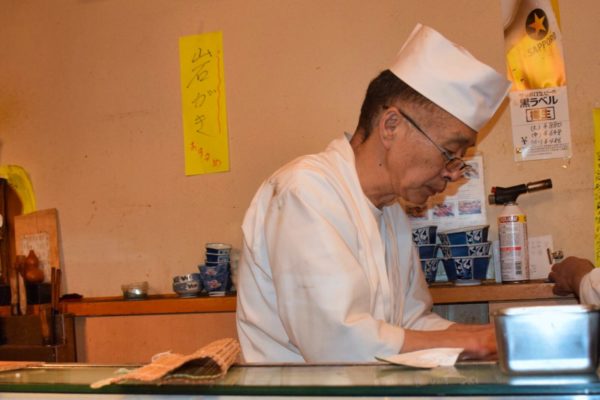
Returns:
point(595, 273)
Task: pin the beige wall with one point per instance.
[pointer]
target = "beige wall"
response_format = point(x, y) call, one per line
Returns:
point(135, 339)
point(90, 106)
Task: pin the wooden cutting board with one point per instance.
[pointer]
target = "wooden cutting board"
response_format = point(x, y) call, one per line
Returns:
point(39, 231)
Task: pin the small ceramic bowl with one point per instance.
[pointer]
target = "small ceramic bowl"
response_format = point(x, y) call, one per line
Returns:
point(465, 250)
point(469, 235)
point(424, 235)
point(430, 268)
point(135, 290)
point(187, 289)
point(466, 268)
point(194, 276)
point(427, 250)
point(189, 285)
point(218, 248)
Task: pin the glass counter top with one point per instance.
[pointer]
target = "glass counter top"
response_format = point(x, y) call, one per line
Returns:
point(376, 379)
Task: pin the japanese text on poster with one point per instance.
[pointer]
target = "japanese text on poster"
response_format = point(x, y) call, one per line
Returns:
point(205, 133)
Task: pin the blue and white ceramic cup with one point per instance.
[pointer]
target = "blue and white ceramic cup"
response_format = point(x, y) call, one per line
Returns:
point(217, 258)
point(215, 278)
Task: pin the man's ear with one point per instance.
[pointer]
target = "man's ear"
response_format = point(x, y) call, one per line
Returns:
point(391, 122)
point(388, 126)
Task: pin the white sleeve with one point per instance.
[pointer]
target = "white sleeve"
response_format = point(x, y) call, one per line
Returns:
point(323, 297)
point(418, 312)
point(589, 287)
point(416, 299)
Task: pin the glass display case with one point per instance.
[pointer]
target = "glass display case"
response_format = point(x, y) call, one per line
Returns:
point(468, 379)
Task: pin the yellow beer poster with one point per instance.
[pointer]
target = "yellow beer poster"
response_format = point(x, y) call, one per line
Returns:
point(534, 63)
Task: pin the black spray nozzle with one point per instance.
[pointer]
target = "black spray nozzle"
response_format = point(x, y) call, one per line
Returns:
point(501, 195)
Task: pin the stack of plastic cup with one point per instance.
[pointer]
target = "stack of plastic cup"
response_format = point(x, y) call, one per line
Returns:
point(216, 268)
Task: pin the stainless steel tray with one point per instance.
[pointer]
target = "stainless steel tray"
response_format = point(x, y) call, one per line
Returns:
point(545, 339)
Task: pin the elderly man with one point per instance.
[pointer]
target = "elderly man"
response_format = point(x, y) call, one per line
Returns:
point(329, 272)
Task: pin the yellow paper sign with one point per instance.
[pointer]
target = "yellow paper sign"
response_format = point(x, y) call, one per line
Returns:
point(206, 146)
point(597, 184)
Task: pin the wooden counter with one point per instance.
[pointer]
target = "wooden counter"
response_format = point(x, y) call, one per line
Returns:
point(171, 304)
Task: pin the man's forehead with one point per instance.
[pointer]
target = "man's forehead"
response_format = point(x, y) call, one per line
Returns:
point(450, 130)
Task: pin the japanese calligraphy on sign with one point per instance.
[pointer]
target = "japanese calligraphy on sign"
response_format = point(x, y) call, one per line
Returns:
point(538, 99)
point(206, 140)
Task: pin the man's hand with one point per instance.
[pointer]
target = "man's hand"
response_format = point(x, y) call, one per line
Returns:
point(478, 341)
point(567, 275)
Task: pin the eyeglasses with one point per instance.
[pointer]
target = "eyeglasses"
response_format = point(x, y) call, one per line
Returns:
point(453, 163)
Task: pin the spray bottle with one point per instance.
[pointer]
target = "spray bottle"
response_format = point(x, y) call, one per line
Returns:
point(512, 229)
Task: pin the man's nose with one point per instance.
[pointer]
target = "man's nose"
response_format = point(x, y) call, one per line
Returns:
point(452, 176)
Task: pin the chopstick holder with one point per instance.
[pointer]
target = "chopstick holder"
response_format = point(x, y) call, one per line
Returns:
point(205, 365)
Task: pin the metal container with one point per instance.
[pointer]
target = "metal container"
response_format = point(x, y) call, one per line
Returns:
point(548, 339)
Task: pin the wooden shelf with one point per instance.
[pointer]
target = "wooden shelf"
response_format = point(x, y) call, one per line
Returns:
point(492, 291)
point(154, 304)
point(157, 304)
point(171, 304)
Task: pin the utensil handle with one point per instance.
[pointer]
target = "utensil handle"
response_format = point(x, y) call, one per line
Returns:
point(53, 290)
point(57, 288)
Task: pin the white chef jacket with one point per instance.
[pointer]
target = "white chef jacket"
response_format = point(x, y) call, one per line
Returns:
point(589, 287)
point(313, 283)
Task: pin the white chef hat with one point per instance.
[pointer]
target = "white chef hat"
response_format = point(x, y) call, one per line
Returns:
point(450, 76)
